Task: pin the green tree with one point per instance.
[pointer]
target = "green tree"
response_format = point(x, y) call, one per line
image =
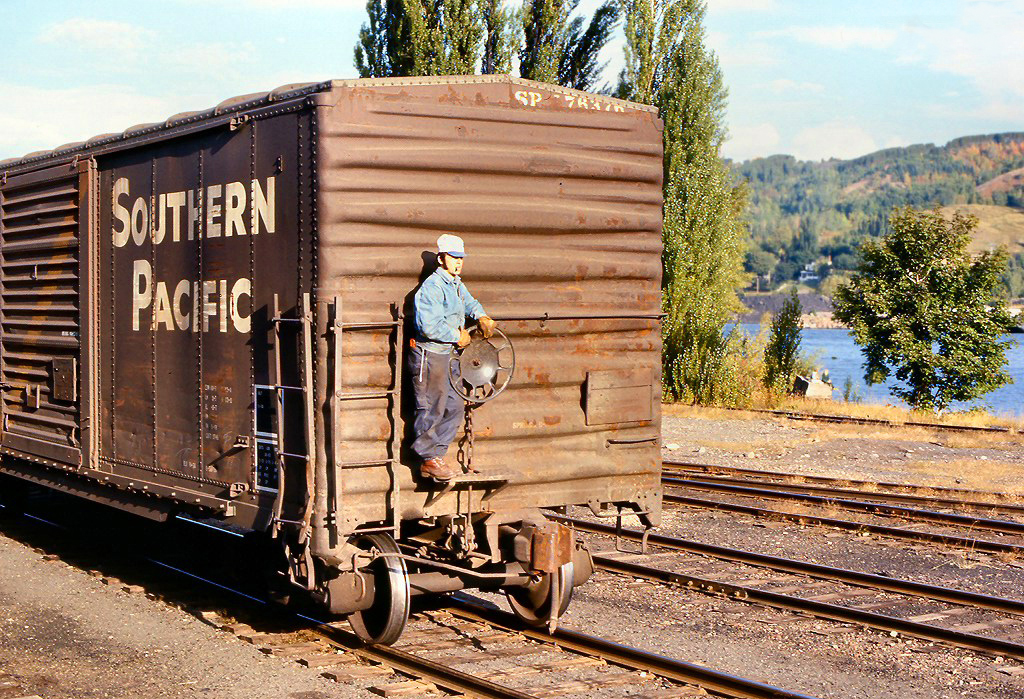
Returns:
point(500, 37)
point(557, 49)
point(669, 65)
point(783, 348)
point(652, 29)
point(922, 308)
point(383, 49)
point(419, 37)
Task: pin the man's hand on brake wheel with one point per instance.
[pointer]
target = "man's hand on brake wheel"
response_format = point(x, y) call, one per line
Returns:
point(487, 325)
point(464, 338)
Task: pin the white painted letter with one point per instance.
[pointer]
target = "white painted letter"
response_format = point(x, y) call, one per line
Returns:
point(162, 309)
point(160, 219)
point(234, 206)
point(209, 307)
point(140, 221)
point(242, 323)
point(193, 213)
point(121, 214)
point(176, 200)
point(264, 205)
point(213, 194)
point(181, 294)
point(222, 303)
point(142, 289)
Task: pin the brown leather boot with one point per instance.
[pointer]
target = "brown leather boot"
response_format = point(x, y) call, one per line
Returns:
point(437, 469)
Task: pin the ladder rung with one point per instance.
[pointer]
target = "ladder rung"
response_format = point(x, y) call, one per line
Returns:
point(366, 464)
point(304, 457)
point(287, 388)
point(361, 396)
point(286, 320)
point(369, 326)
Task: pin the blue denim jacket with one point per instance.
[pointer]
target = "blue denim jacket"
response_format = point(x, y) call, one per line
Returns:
point(442, 304)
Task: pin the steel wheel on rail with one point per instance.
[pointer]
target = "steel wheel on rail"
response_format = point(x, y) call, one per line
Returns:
point(532, 602)
point(385, 619)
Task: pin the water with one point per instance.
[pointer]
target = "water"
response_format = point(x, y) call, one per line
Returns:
point(835, 350)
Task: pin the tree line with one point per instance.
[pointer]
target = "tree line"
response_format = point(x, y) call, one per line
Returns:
point(818, 213)
point(666, 64)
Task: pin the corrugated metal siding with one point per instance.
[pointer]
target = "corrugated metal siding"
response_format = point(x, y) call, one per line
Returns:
point(39, 230)
point(560, 208)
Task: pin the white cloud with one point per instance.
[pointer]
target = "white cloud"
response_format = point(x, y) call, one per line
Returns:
point(751, 141)
point(979, 49)
point(837, 37)
point(118, 40)
point(834, 139)
point(72, 114)
point(118, 48)
point(787, 86)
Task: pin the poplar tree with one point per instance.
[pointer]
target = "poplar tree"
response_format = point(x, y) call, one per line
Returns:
point(668, 65)
point(383, 49)
point(419, 37)
point(500, 37)
point(556, 47)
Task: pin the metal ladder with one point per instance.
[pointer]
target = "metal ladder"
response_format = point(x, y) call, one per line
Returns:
point(336, 330)
point(392, 394)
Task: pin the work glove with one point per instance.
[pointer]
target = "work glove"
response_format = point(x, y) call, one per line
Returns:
point(464, 338)
point(487, 325)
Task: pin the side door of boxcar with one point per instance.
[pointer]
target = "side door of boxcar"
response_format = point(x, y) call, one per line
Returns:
point(45, 346)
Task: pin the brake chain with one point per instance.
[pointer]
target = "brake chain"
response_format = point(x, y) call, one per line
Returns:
point(470, 436)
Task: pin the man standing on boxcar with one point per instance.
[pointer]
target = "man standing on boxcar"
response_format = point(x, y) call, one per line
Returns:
point(441, 306)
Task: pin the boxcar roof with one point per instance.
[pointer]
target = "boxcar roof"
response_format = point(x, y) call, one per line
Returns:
point(186, 121)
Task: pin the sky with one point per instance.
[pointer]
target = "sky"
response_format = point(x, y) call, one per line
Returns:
point(812, 78)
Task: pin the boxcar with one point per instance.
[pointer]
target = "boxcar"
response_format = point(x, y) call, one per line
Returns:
point(206, 318)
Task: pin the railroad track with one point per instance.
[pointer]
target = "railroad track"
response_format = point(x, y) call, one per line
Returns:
point(880, 422)
point(458, 649)
point(879, 491)
point(1011, 532)
point(934, 613)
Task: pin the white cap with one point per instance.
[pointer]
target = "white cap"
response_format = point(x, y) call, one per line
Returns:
point(451, 244)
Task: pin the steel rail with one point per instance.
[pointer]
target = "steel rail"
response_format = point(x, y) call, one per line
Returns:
point(850, 419)
point(824, 610)
point(995, 525)
point(445, 677)
point(626, 656)
point(789, 565)
point(944, 496)
point(849, 525)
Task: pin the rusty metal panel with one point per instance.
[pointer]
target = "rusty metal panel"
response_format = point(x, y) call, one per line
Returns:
point(559, 202)
point(618, 396)
point(198, 235)
point(39, 302)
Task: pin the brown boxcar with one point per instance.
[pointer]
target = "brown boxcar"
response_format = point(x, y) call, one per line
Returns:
point(207, 316)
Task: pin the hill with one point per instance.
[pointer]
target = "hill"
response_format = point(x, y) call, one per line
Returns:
point(807, 218)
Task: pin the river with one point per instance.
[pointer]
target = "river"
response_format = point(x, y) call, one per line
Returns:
point(835, 350)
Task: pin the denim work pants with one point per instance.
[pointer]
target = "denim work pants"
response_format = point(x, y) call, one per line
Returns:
point(438, 408)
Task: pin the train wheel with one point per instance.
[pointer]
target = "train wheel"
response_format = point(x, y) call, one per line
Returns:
point(385, 620)
point(532, 603)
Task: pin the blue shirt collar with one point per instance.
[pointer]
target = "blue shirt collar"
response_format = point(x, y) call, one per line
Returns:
point(446, 275)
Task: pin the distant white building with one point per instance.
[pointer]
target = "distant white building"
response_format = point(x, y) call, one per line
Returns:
point(808, 274)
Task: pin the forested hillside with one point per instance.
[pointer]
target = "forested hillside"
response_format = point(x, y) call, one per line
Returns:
point(807, 218)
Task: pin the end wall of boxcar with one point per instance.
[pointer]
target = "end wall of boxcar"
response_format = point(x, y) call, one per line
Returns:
point(558, 197)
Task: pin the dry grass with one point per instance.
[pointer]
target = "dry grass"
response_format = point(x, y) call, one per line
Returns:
point(997, 225)
point(1001, 477)
point(895, 415)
